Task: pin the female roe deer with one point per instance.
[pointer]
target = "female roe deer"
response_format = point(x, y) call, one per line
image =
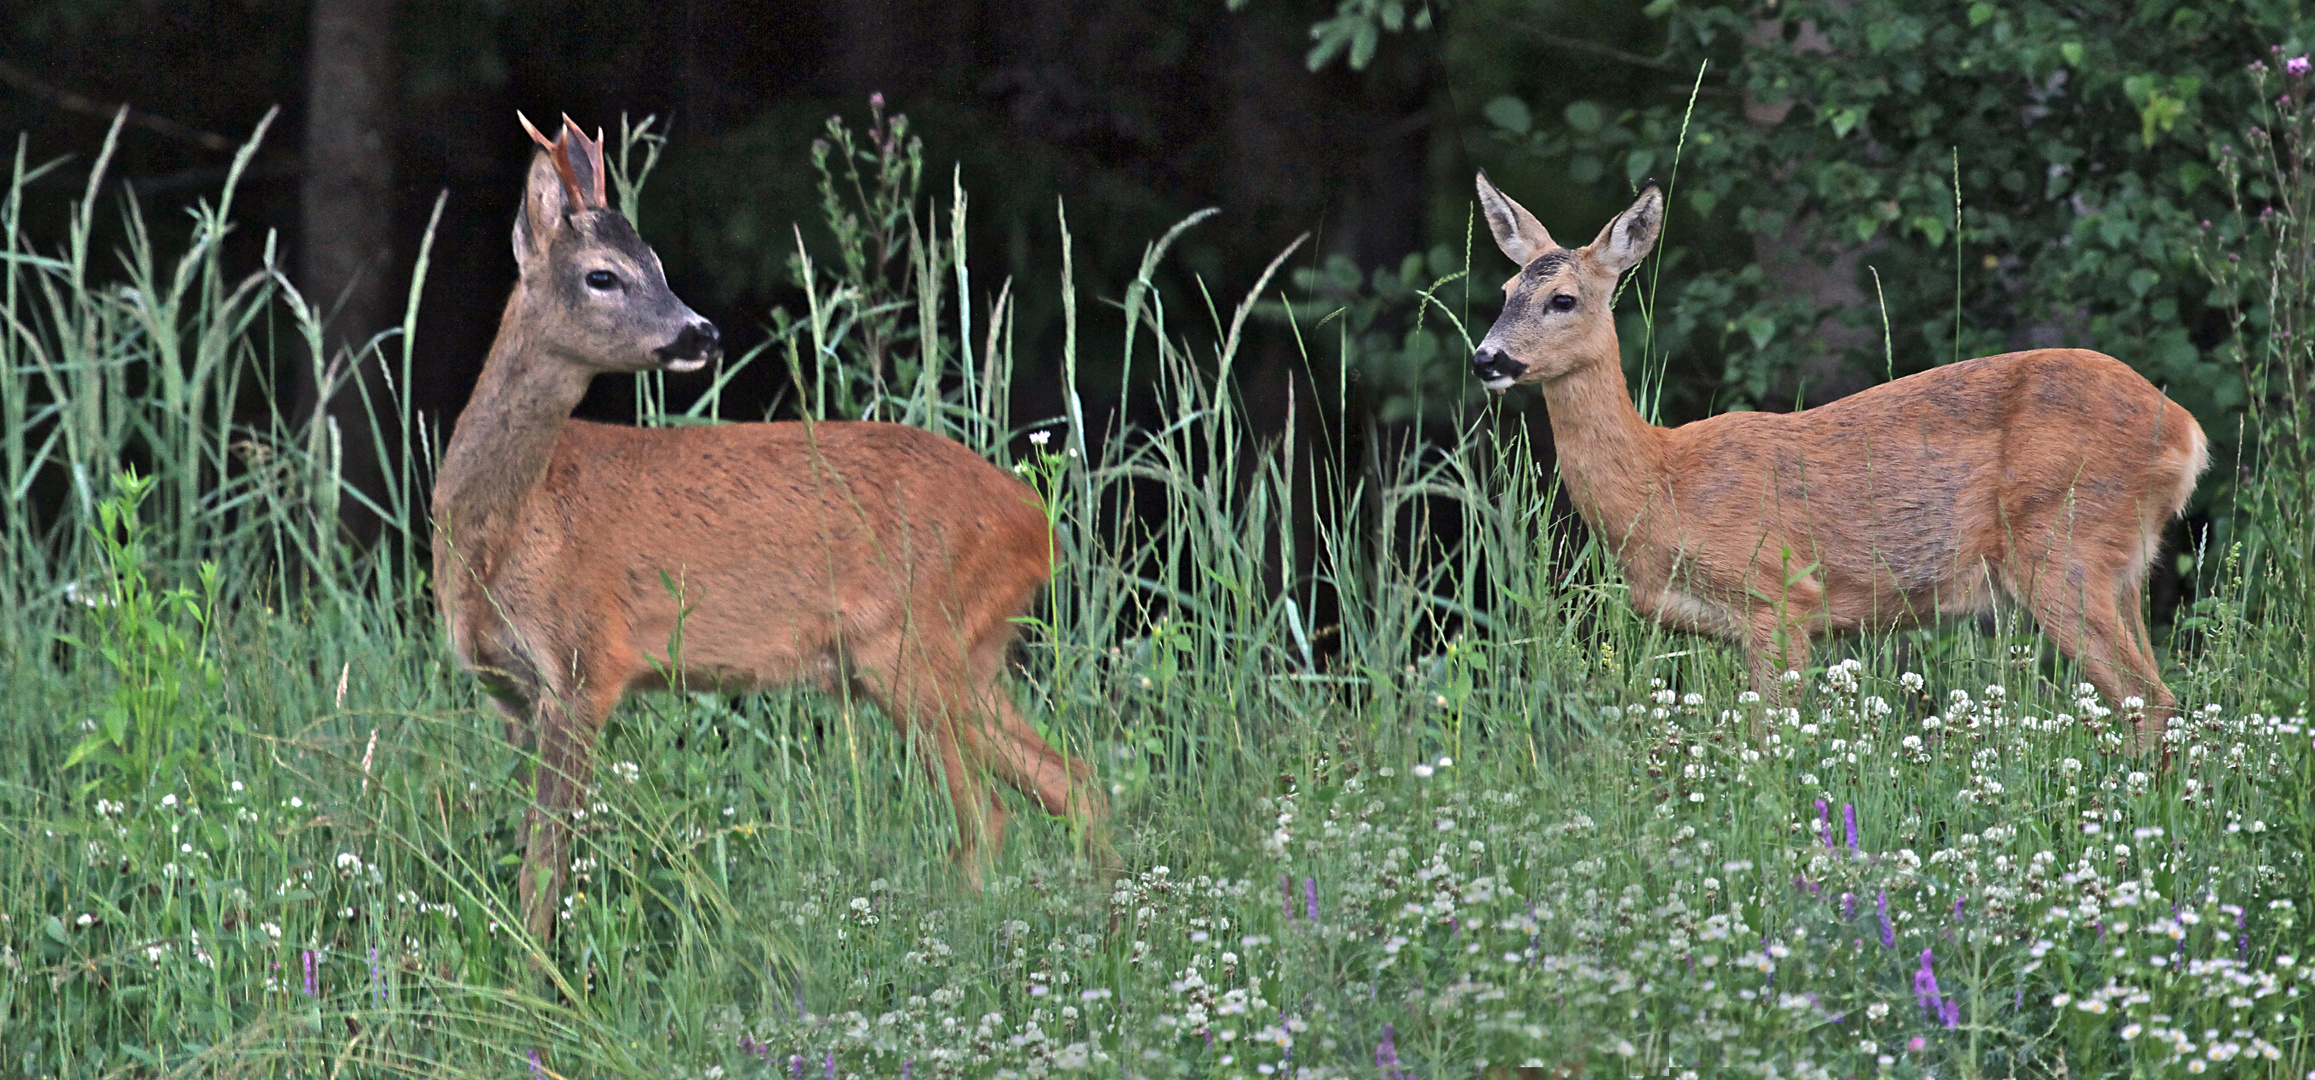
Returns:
point(2046, 476)
point(873, 556)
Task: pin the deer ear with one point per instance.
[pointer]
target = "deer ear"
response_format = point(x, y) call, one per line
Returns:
point(545, 203)
point(1628, 239)
point(1521, 237)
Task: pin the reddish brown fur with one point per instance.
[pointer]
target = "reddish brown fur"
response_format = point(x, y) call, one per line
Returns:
point(867, 557)
point(2044, 477)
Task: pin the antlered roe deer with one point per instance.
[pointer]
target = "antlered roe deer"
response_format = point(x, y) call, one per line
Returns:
point(871, 556)
point(2046, 477)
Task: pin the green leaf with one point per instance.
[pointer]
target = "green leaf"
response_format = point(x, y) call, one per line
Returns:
point(2072, 51)
point(2141, 280)
point(1636, 167)
point(1703, 200)
point(56, 932)
point(1930, 226)
point(88, 747)
point(1586, 116)
point(1362, 46)
point(1846, 120)
point(1761, 329)
point(1510, 114)
point(1979, 13)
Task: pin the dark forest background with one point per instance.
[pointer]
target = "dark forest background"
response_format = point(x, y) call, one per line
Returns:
point(1861, 189)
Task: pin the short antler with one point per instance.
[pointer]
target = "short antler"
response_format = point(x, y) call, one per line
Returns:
point(559, 151)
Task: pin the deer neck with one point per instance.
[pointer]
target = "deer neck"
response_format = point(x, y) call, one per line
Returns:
point(499, 452)
point(1611, 459)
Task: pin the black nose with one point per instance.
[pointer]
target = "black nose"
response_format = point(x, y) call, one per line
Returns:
point(1492, 364)
point(698, 341)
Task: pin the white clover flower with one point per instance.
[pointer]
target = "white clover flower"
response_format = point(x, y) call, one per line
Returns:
point(1040, 438)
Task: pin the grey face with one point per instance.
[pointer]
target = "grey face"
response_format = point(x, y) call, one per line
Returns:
point(598, 295)
point(619, 308)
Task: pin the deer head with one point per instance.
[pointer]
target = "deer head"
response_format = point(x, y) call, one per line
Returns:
point(1557, 311)
point(592, 294)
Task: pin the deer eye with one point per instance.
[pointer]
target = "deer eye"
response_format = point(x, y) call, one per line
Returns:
point(1563, 302)
point(602, 280)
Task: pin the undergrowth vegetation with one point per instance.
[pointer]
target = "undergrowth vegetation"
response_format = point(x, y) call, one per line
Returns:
point(1404, 787)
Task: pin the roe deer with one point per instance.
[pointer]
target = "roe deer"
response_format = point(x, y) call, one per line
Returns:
point(2045, 476)
point(871, 556)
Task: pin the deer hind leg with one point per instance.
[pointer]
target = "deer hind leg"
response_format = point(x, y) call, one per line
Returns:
point(921, 701)
point(1063, 786)
point(2146, 671)
point(2092, 616)
point(1775, 645)
point(1777, 632)
point(565, 725)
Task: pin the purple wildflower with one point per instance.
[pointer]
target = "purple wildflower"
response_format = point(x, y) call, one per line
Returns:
point(377, 984)
point(1957, 909)
point(796, 1066)
point(1849, 819)
point(1825, 822)
point(1387, 1056)
point(2295, 67)
point(1310, 897)
point(1949, 1013)
point(1925, 988)
point(1848, 907)
point(829, 1068)
point(312, 978)
point(538, 1068)
point(906, 1068)
point(1286, 895)
point(1888, 929)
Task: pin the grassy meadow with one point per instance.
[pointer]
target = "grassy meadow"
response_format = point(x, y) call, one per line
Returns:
point(1438, 805)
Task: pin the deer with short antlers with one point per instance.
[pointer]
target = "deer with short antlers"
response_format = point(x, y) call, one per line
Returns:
point(2044, 478)
point(872, 557)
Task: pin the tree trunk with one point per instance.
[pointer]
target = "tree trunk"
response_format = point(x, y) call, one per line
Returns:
point(347, 203)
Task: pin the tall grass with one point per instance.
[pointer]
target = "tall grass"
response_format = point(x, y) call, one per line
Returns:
point(1405, 786)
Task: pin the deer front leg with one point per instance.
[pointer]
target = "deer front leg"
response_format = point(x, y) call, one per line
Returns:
point(565, 727)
